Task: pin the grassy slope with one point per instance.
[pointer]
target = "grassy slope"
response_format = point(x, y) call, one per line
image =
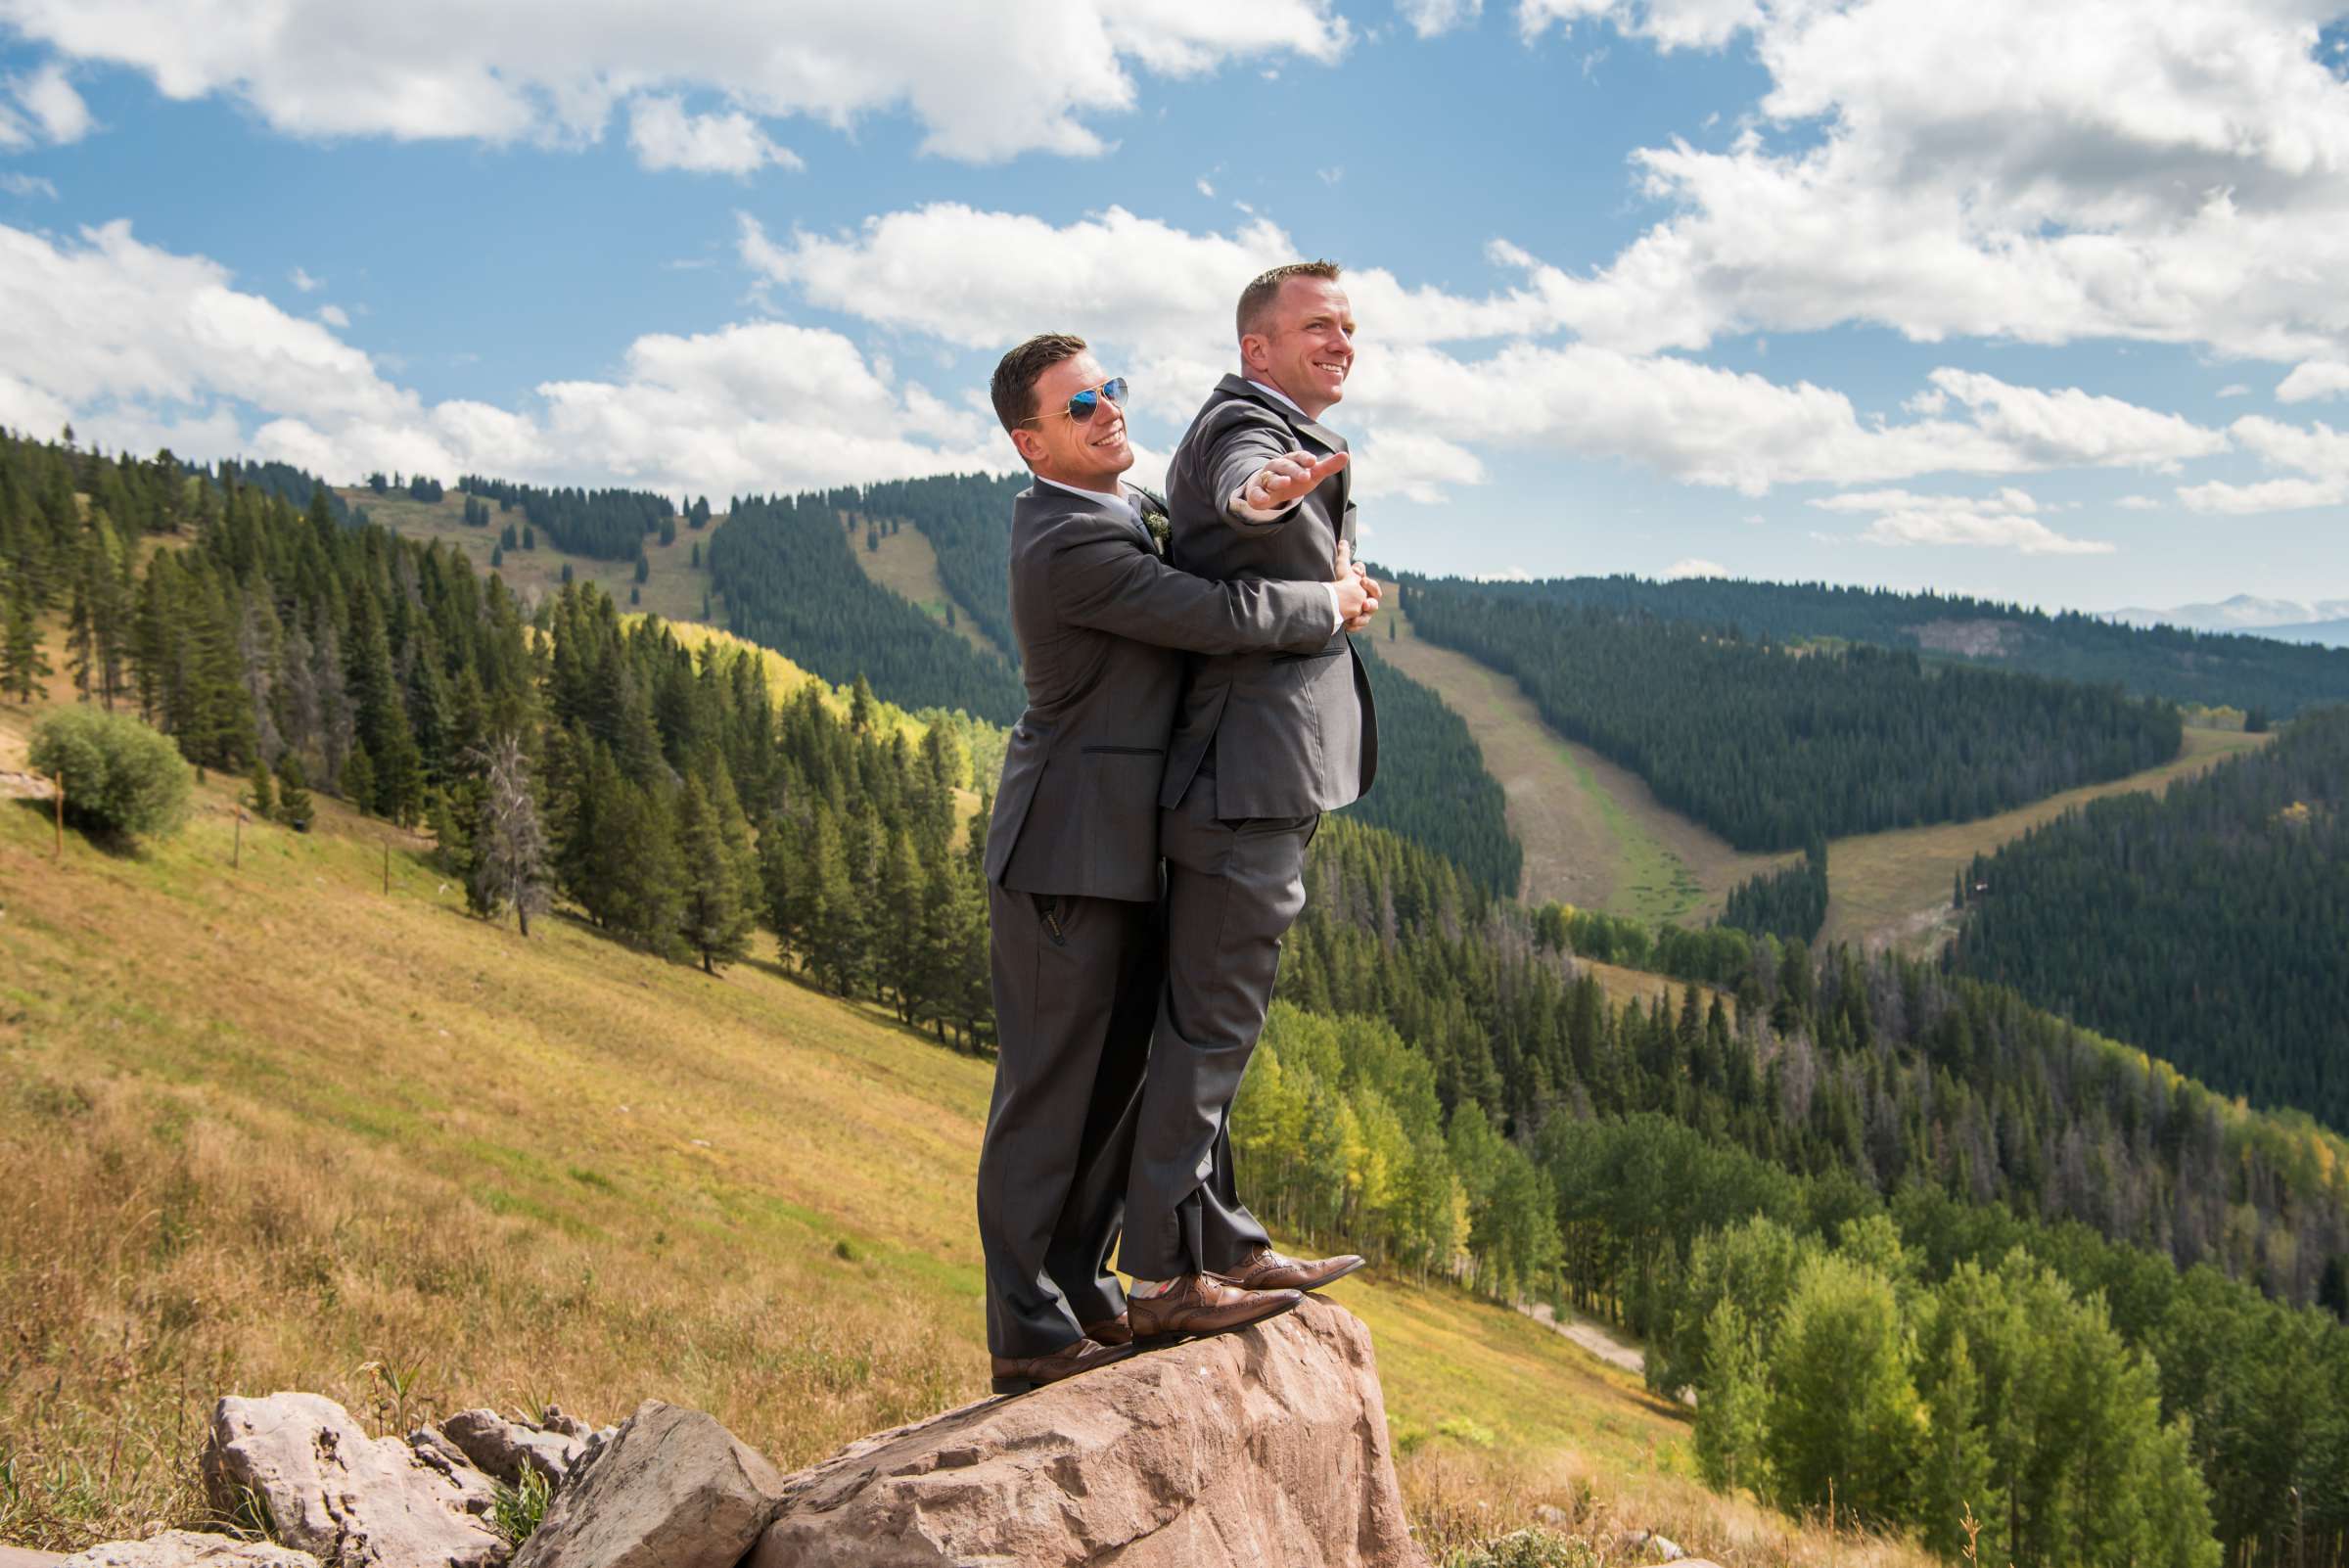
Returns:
point(1594, 834)
point(906, 566)
point(266, 1127)
point(1893, 888)
point(674, 591)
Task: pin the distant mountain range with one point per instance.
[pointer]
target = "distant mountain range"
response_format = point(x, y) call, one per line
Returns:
point(2325, 620)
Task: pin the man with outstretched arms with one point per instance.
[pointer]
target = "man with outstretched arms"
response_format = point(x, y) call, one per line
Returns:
point(1267, 742)
point(1103, 624)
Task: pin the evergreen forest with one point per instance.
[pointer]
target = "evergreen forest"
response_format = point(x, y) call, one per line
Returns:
point(2209, 925)
point(784, 566)
point(607, 525)
point(2205, 669)
point(1771, 746)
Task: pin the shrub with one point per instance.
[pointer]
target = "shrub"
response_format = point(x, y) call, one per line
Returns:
point(121, 776)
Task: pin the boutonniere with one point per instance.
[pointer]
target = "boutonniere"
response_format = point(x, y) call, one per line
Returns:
point(1154, 518)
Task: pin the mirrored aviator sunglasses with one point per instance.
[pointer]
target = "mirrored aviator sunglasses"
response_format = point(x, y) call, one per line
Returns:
point(1086, 404)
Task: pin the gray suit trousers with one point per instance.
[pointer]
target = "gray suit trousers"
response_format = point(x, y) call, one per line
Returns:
point(1234, 890)
point(1077, 983)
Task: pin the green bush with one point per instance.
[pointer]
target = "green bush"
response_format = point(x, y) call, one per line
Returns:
point(121, 776)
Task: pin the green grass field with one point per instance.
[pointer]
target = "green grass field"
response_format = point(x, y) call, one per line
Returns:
point(672, 590)
point(1594, 835)
point(906, 566)
point(1894, 889)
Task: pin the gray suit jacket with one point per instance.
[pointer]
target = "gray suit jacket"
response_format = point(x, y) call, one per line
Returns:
point(1103, 623)
point(1294, 733)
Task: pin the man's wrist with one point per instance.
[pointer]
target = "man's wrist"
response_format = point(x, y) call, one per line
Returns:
point(1242, 509)
point(1337, 610)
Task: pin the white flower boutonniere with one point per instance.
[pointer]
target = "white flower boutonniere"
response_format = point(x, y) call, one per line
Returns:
point(1154, 518)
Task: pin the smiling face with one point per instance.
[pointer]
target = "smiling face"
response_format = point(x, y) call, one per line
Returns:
point(1088, 455)
point(1304, 343)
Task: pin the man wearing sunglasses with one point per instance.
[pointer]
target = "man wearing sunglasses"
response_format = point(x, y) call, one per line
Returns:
point(1104, 625)
point(1258, 490)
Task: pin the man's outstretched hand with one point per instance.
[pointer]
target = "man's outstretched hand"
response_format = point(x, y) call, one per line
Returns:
point(1289, 479)
point(1358, 591)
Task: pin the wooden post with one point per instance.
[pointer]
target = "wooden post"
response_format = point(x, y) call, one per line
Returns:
point(236, 855)
point(61, 820)
point(387, 868)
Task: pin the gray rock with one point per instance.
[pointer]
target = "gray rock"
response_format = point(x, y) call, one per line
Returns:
point(348, 1499)
point(187, 1549)
point(1651, 1546)
point(505, 1449)
point(673, 1489)
point(1266, 1448)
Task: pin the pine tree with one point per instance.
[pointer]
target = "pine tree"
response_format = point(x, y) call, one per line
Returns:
point(260, 791)
point(644, 567)
point(498, 555)
point(294, 808)
point(715, 916)
point(358, 778)
point(23, 662)
point(897, 925)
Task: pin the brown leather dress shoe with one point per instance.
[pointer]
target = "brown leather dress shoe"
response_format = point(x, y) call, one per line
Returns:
point(1266, 1270)
point(1017, 1374)
point(1110, 1332)
point(1203, 1304)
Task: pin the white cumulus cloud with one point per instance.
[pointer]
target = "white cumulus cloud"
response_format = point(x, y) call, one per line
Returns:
point(1691, 565)
point(665, 136)
point(986, 82)
point(2006, 521)
point(2316, 378)
point(140, 346)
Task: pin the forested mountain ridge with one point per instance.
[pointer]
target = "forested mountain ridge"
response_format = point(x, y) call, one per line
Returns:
point(2186, 667)
point(1771, 747)
point(784, 568)
point(2210, 925)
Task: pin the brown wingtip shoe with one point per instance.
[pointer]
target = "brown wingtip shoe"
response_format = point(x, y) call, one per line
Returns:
point(1203, 1304)
point(1110, 1332)
point(1266, 1270)
point(1017, 1374)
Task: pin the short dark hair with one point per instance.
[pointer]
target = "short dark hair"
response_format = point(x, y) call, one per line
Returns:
point(1259, 295)
point(1014, 387)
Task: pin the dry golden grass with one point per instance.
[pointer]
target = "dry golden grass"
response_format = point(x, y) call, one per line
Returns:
point(1458, 1496)
point(906, 566)
point(1594, 834)
point(1893, 889)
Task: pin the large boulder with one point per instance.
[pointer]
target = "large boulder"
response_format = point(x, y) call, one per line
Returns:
point(187, 1548)
point(1260, 1447)
point(673, 1489)
point(348, 1499)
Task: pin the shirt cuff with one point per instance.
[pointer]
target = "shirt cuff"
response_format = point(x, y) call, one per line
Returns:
point(1239, 507)
point(1337, 616)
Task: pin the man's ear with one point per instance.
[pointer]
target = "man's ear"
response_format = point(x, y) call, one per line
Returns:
point(1255, 350)
point(1029, 445)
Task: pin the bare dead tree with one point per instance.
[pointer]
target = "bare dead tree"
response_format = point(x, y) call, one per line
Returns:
point(510, 848)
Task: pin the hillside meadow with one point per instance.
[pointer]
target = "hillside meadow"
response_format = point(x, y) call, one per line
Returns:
point(269, 1127)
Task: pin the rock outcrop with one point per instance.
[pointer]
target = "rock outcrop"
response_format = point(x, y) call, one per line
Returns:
point(1261, 1448)
point(344, 1497)
point(506, 1448)
point(189, 1548)
point(673, 1489)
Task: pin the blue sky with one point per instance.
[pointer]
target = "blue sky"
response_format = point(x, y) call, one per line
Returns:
point(2000, 299)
